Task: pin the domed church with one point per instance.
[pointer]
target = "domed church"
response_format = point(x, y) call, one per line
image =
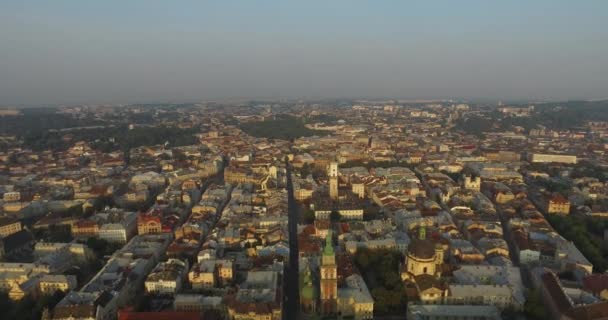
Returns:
point(423, 267)
point(424, 256)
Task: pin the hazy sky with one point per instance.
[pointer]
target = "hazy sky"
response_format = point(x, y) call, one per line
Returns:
point(120, 51)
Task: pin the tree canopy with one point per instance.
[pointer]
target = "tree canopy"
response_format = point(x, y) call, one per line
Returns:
point(282, 127)
point(380, 268)
point(586, 233)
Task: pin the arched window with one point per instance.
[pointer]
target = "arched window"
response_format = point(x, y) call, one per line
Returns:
point(424, 270)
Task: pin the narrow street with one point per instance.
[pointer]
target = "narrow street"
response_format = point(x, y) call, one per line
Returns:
point(291, 290)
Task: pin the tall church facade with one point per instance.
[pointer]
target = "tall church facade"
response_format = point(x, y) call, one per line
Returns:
point(329, 278)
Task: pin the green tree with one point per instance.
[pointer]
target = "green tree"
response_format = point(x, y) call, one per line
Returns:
point(534, 307)
point(281, 127)
point(309, 216)
point(392, 280)
point(99, 246)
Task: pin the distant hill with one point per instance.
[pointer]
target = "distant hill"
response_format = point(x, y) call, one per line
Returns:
point(553, 115)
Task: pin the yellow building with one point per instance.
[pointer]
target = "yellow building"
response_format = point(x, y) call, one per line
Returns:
point(558, 205)
point(202, 275)
point(332, 172)
point(236, 175)
point(502, 197)
point(11, 196)
point(225, 270)
point(333, 188)
point(472, 183)
point(9, 226)
point(556, 158)
point(49, 284)
point(355, 300)
point(423, 257)
point(358, 189)
point(21, 289)
point(302, 194)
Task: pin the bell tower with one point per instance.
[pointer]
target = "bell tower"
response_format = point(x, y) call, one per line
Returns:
point(329, 278)
point(332, 172)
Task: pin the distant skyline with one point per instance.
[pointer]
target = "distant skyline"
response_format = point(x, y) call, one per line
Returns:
point(109, 52)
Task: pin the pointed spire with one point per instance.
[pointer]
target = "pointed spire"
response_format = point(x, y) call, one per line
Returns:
point(306, 274)
point(329, 248)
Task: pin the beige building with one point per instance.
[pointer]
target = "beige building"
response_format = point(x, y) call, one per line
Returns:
point(302, 194)
point(358, 189)
point(355, 300)
point(236, 175)
point(11, 196)
point(20, 290)
point(472, 183)
point(548, 158)
point(202, 275)
point(225, 270)
point(9, 226)
point(558, 205)
point(49, 284)
point(332, 172)
point(351, 214)
point(167, 277)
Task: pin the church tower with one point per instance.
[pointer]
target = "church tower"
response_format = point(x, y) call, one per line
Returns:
point(329, 278)
point(308, 293)
point(332, 172)
point(472, 183)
